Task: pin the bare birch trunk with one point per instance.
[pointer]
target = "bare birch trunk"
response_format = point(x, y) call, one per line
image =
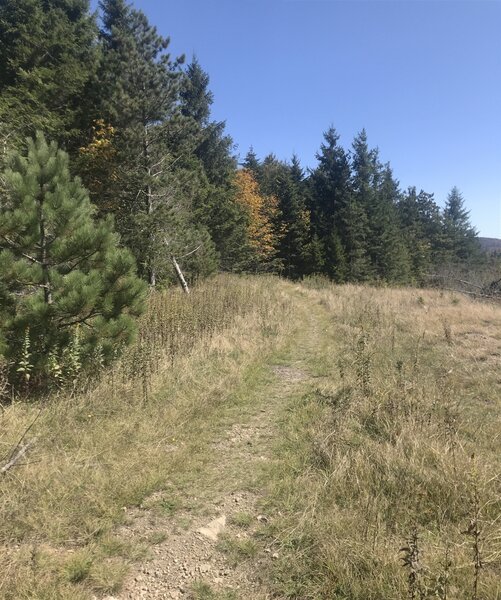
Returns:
point(180, 276)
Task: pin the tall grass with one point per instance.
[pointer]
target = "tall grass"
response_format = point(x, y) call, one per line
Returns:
point(385, 484)
point(393, 456)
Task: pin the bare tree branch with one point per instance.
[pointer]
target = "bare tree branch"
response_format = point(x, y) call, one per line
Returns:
point(16, 457)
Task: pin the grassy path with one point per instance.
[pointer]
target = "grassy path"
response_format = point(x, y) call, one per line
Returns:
point(211, 522)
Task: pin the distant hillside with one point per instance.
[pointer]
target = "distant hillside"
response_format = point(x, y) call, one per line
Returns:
point(490, 244)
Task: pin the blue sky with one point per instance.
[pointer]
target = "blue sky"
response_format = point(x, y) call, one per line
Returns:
point(423, 77)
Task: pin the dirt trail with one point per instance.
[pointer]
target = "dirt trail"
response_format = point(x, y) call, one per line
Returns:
point(211, 551)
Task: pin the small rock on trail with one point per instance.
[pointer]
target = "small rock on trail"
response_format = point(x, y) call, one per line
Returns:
point(214, 528)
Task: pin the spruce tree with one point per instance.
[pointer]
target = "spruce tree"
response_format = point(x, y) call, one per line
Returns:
point(196, 98)
point(365, 179)
point(339, 221)
point(330, 182)
point(354, 228)
point(251, 163)
point(421, 225)
point(294, 244)
point(62, 273)
point(214, 203)
point(390, 255)
point(212, 146)
point(296, 170)
point(460, 238)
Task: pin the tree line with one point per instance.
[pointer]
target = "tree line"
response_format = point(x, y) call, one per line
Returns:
point(126, 169)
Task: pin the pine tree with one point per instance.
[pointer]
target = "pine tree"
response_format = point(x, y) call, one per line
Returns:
point(60, 270)
point(48, 56)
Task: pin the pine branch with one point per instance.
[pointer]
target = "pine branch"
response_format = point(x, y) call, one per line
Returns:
point(81, 260)
point(12, 246)
point(82, 320)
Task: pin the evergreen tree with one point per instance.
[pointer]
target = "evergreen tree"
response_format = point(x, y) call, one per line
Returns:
point(61, 272)
point(138, 80)
point(421, 224)
point(196, 98)
point(296, 170)
point(390, 255)
point(139, 94)
point(271, 174)
point(214, 203)
point(330, 181)
point(460, 238)
point(317, 264)
point(354, 228)
point(294, 244)
point(213, 146)
point(364, 164)
point(48, 56)
point(251, 163)
point(339, 220)
point(365, 179)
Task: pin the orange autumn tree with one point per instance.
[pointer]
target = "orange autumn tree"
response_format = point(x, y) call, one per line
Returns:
point(261, 211)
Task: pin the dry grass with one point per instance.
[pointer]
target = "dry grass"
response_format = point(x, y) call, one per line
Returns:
point(390, 464)
point(108, 449)
point(385, 483)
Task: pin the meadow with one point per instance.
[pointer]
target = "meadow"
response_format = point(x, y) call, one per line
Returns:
point(381, 477)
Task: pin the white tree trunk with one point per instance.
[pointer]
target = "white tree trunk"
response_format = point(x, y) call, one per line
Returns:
point(180, 276)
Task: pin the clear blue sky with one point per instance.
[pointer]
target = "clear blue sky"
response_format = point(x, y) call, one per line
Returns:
point(423, 77)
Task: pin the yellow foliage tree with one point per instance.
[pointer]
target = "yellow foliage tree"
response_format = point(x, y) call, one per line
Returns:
point(97, 165)
point(261, 211)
